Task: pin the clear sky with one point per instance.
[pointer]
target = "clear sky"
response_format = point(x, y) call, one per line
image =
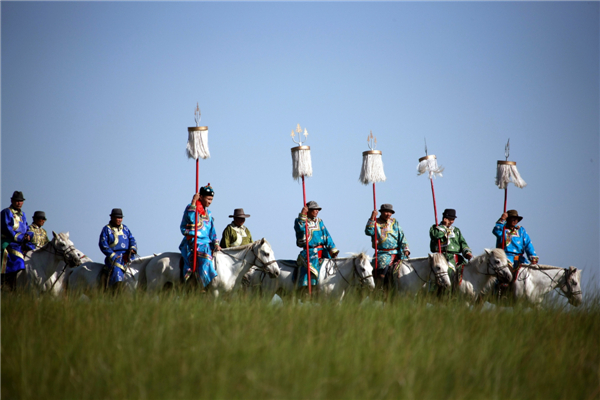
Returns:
point(97, 98)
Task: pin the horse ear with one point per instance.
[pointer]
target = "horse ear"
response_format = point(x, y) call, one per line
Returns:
point(488, 251)
point(67, 235)
point(54, 235)
point(430, 256)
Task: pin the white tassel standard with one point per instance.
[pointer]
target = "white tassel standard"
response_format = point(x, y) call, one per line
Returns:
point(372, 168)
point(197, 145)
point(507, 172)
point(429, 164)
point(301, 163)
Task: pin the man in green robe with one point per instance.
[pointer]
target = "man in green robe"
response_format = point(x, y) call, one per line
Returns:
point(236, 233)
point(454, 245)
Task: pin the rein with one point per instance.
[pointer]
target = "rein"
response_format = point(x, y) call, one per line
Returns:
point(438, 275)
point(253, 246)
point(567, 275)
point(355, 273)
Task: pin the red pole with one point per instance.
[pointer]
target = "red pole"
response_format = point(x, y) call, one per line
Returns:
point(435, 212)
point(306, 231)
point(504, 227)
point(196, 223)
point(375, 208)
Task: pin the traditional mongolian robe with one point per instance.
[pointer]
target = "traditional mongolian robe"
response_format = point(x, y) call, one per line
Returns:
point(207, 239)
point(234, 236)
point(320, 246)
point(40, 236)
point(391, 242)
point(454, 245)
point(115, 242)
point(516, 243)
point(14, 246)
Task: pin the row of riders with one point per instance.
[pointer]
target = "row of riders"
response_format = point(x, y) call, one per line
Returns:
point(120, 248)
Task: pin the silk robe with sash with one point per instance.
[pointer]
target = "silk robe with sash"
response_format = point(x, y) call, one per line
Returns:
point(207, 239)
point(391, 242)
point(14, 229)
point(114, 243)
point(452, 241)
point(320, 246)
point(516, 243)
point(234, 236)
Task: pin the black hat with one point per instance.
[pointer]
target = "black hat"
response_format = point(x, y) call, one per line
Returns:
point(313, 205)
point(17, 196)
point(239, 213)
point(39, 215)
point(207, 191)
point(449, 213)
point(116, 212)
point(514, 214)
point(387, 207)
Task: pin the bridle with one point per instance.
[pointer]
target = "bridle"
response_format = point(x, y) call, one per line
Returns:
point(262, 266)
point(438, 275)
point(70, 250)
point(567, 275)
point(355, 273)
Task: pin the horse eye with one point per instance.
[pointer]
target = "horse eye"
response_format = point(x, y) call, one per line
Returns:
point(363, 269)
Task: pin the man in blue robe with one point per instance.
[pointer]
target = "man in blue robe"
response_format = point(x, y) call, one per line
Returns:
point(16, 240)
point(391, 242)
point(207, 238)
point(119, 246)
point(319, 242)
point(516, 241)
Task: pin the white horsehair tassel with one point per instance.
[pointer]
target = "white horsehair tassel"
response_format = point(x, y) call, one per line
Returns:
point(372, 168)
point(301, 163)
point(197, 145)
point(429, 164)
point(507, 172)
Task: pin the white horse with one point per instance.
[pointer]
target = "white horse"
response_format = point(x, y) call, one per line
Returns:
point(231, 264)
point(43, 262)
point(86, 277)
point(335, 276)
point(57, 282)
point(533, 282)
point(413, 274)
point(481, 271)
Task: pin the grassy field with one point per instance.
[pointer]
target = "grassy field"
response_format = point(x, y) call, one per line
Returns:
point(189, 347)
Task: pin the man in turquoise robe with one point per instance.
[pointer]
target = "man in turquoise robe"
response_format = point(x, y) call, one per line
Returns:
point(320, 243)
point(207, 238)
point(391, 242)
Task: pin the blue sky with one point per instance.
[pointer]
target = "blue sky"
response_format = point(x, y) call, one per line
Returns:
point(97, 98)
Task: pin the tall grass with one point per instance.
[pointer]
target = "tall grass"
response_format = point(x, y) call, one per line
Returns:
point(187, 346)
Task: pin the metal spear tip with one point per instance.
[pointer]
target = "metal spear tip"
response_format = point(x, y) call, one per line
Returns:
point(507, 149)
point(197, 114)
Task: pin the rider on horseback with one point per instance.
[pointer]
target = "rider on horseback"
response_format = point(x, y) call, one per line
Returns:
point(16, 240)
point(40, 236)
point(391, 242)
point(516, 241)
point(319, 242)
point(454, 245)
point(119, 246)
point(207, 238)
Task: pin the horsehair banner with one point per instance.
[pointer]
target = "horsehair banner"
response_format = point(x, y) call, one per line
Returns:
point(429, 164)
point(197, 145)
point(372, 165)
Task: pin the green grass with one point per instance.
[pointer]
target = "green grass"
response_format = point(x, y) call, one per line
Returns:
point(192, 347)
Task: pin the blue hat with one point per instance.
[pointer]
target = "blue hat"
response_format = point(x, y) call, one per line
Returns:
point(207, 191)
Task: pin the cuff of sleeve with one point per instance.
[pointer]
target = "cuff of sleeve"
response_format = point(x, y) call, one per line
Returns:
point(534, 259)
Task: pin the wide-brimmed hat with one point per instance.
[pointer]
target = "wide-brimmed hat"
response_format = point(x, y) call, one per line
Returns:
point(313, 205)
point(17, 196)
point(239, 213)
point(449, 213)
point(116, 212)
point(39, 215)
point(387, 207)
point(514, 214)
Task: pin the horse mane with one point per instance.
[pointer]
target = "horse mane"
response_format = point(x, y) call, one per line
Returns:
point(362, 256)
point(437, 256)
point(542, 267)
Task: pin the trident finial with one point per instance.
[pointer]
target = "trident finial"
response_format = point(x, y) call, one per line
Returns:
point(299, 131)
point(197, 115)
point(425, 146)
point(372, 141)
point(507, 149)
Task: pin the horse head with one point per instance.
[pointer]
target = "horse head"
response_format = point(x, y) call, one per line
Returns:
point(497, 264)
point(265, 259)
point(571, 287)
point(439, 266)
point(364, 270)
point(64, 247)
